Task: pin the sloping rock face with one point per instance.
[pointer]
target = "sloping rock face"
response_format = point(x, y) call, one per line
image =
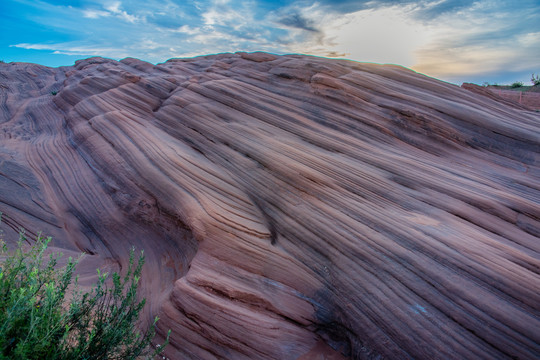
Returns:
point(289, 207)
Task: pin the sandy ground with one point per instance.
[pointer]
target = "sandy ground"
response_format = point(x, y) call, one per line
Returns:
point(528, 99)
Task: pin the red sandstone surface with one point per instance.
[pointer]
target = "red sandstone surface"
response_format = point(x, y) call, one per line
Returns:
point(288, 206)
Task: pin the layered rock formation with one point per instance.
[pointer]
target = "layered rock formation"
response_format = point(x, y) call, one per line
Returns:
point(289, 207)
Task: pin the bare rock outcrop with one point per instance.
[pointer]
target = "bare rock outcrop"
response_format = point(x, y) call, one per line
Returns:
point(289, 206)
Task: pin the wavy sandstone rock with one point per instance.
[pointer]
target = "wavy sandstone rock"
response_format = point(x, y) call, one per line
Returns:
point(287, 205)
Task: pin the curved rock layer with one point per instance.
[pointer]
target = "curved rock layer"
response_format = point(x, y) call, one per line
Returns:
point(289, 207)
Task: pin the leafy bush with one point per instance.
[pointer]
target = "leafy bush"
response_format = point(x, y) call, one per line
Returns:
point(517, 84)
point(36, 321)
point(54, 93)
point(535, 80)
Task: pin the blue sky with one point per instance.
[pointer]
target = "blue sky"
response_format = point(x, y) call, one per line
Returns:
point(453, 40)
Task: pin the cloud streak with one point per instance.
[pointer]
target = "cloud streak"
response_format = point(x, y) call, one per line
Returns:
point(76, 50)
point(112, 9)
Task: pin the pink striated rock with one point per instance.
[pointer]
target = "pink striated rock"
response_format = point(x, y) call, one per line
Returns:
point(289, 206)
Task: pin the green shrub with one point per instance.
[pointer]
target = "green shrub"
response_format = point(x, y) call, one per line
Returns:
point(37, 321)
point(54, 93)
point(535, 80)
point(517, 84)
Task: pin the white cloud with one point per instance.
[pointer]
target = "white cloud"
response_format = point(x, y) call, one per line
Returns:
point(77, 50)
point(529, 39)
point(95, 14)
point(32, 46)
point(111, 9)
point(127, 17)
point(148, 44)
point(186, 29)
point(235, 17)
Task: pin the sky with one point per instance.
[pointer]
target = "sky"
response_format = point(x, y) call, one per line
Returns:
point(457, 41)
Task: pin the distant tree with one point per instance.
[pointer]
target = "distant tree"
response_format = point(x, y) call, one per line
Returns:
point(517, 84)
point(535, 80)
